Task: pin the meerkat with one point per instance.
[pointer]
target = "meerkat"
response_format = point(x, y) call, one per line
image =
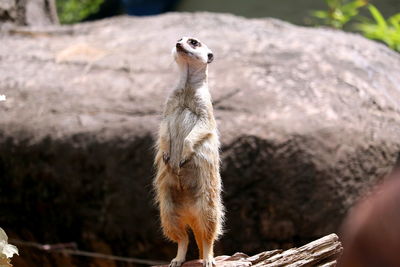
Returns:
point(188, 183)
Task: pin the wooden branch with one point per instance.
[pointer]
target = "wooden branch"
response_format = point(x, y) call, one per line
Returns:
point(52, 9)
point(322, 252)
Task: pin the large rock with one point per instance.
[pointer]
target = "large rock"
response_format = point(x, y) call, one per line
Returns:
point(309, 120)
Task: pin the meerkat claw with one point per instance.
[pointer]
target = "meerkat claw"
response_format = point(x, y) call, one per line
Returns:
point(165, 157)
point(183, 162)
point(209, 263)
point(175, 263)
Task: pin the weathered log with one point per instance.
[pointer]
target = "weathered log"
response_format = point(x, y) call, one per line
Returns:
point(322, 252)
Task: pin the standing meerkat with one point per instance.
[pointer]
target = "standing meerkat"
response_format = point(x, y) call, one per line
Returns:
point(188, 183)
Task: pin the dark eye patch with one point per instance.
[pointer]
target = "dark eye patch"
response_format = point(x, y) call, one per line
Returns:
point(194, 43)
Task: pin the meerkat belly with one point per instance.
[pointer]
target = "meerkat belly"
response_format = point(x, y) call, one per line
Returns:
point(180, 125)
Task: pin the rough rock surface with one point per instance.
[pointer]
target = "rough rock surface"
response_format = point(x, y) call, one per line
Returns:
point(309, 120)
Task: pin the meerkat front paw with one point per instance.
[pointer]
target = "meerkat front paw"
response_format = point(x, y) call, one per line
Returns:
point(165, 157)
point(183, 162)
point(187, 153)
point(209, 262)
point(176, 263)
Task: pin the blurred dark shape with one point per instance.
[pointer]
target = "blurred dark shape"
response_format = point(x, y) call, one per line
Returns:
point(147, 7)
point(371, 233)
point(132, 7)
point(109, 8)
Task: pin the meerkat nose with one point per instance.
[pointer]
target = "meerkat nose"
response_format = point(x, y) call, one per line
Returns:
point(178, 45)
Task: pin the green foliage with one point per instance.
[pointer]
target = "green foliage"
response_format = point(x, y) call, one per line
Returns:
point(387, 31)
point(339, 12)
point(71, 11)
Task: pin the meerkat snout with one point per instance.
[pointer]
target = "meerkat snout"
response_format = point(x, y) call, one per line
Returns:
point(210, 57)
point(192, 50)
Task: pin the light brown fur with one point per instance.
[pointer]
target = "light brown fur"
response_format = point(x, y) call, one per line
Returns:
point(188, 182)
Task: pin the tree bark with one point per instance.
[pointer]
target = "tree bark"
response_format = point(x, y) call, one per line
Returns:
point(28, 12)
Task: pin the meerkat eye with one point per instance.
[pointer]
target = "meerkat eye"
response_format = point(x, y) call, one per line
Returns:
point(194, 42)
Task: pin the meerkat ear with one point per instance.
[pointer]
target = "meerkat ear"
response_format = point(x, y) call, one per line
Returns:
point(210, 57)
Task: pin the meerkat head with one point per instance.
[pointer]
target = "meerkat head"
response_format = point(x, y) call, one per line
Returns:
point(192, 51)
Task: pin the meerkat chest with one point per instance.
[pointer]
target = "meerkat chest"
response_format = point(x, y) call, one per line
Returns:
point(184, 115)
point(182, 121)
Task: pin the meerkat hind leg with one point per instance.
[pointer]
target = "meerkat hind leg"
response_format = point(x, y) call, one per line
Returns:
point(176, 232)
point(208, 255)
point(181, 254)
point(199, 242)
point(205, 244)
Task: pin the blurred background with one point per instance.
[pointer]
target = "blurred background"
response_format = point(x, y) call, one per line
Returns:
point(297, 12)
point(365, 16)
